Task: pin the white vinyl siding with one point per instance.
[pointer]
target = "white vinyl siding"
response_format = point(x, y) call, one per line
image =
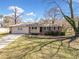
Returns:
point(20, 30)
point(35, 30)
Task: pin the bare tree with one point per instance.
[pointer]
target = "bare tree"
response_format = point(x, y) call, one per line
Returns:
point(17, 12)
point(16, 16)
point(53, 14)
point(70, 3)
point(7, 21)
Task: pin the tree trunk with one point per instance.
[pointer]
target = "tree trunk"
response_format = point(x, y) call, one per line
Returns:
point(15, 16)
point(71, 9)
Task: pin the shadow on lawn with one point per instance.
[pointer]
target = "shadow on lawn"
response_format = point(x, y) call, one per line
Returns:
point(40, 48)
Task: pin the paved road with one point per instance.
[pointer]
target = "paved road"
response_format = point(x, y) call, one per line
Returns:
point(4, 41)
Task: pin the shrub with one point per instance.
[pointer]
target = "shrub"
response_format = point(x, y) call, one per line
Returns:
point(55, 33)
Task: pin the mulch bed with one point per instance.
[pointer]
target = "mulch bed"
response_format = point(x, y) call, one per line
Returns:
point(46, 37)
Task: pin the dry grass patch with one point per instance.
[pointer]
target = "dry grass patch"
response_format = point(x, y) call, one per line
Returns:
point(29, 48)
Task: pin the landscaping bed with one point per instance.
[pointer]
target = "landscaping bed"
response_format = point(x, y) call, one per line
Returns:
point(46, 36)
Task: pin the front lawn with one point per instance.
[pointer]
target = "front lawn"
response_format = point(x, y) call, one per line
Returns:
point(35, 48)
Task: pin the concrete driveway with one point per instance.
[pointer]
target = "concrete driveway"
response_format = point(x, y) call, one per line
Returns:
point(4, 41)
point(4, 30)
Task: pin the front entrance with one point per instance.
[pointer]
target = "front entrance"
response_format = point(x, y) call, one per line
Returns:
point(41, 29)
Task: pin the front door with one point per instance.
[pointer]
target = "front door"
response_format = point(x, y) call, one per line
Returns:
point(41, 29)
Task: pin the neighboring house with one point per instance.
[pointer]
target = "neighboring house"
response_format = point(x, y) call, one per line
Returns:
point(35, 28)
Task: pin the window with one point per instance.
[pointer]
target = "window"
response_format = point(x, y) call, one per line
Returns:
point(44, 28)
point(48, 28)
point(19, 28)
point(34, 27)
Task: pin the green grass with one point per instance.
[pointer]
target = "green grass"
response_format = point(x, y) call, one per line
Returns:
point(29, 48)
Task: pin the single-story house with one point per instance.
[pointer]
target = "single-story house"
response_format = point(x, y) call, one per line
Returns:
point(34, 28)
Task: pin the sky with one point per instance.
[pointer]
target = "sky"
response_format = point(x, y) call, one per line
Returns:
point(33, 9)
